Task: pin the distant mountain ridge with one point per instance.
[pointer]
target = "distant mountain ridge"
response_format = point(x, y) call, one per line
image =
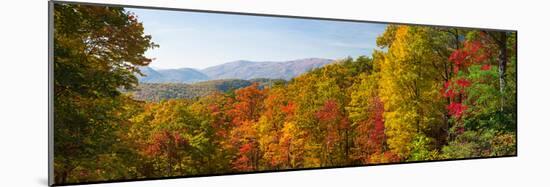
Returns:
point(241, 69)
point(181, 75)
point(273, 70)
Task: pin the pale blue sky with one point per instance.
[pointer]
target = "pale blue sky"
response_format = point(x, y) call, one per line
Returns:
point(200, 40)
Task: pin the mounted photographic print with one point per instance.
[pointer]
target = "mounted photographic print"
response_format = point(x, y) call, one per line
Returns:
point(139, 93)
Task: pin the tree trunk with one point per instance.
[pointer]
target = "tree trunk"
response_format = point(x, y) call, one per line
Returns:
point(347, 147)
point(61, 178)
point(502, 58)
point(289, 163)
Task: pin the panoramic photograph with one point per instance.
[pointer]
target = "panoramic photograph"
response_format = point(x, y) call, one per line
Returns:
point(148, 93)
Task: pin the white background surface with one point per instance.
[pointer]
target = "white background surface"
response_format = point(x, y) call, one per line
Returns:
point(23, 93)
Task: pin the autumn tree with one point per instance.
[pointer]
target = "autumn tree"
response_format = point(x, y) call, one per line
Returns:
point(366, 111)
point(478, 104)
point(320, 97)
point(246, 112)
point(409, 87)
point(213, 113)
point(291, 146)
point(97, 50)
point(276, 134)
point(176, 141)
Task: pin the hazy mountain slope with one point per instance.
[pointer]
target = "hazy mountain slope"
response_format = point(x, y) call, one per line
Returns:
point(182, 75)
point(150, 75)
point(272, 70)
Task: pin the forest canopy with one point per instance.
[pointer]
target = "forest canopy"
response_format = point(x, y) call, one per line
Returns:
point(427, 93)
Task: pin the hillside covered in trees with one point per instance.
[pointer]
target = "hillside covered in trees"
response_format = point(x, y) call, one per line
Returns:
point(162, 91)
point(429, 93)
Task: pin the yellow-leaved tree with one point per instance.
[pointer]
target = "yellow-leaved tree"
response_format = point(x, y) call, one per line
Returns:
point(409, 89)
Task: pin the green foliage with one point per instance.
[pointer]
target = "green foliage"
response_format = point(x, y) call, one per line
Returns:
point(96, 52)
point(482, 143)
point(422, 149)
